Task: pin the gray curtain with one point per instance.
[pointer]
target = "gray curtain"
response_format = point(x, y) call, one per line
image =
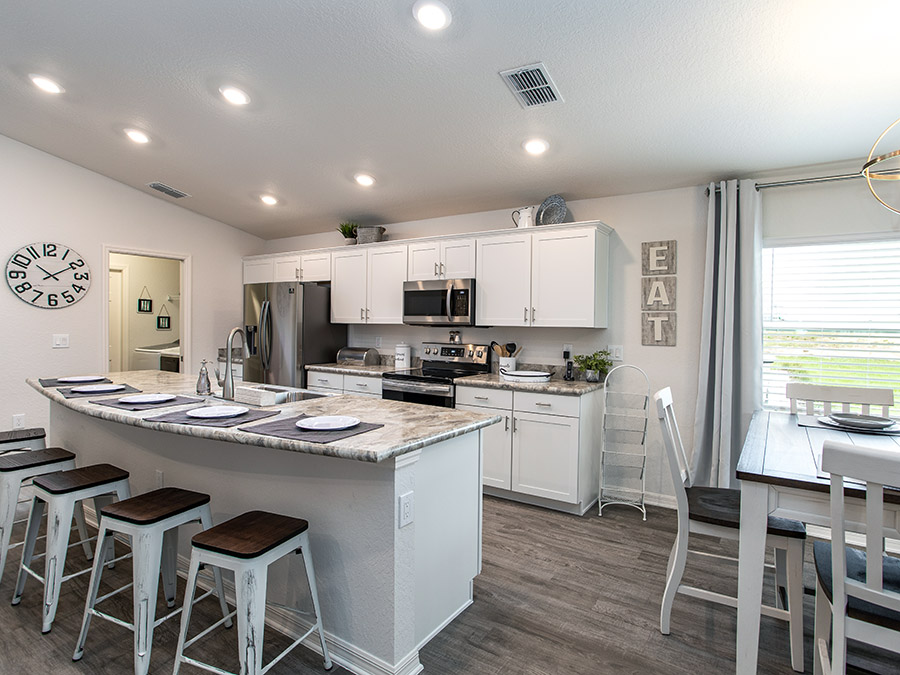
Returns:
point(729, 387)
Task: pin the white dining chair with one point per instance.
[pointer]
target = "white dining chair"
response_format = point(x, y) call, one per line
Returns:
point(857, 591)
point(871, 400)
point(716, 512)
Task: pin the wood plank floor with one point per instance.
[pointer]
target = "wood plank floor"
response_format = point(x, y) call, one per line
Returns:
point(558, 594)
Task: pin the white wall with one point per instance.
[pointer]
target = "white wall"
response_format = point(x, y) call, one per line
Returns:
point(43, 198)
point(671, 214)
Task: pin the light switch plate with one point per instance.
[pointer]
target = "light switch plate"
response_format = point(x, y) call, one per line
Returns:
point(60, 341)
point(615, 352)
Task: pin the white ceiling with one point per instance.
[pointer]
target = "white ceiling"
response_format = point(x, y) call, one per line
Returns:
point(658, 94)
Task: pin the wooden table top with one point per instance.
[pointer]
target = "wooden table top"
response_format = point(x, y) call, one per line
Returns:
point(779, 451)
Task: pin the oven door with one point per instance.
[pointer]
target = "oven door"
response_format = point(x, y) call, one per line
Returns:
point(449, 302)
point(426, 393)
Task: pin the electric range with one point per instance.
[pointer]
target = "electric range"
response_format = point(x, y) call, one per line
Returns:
point(433, 382)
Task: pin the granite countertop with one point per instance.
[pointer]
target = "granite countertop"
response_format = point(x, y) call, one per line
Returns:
point(554, 386)
point(407, 426)
point(352, 369)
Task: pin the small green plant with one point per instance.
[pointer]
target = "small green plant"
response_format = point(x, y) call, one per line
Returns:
point(348, 230)
point(598, 361)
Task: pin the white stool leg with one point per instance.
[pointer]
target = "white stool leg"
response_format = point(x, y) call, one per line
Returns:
point(206, 523)
point(147, 549)
point(781, 564)
point(108, 552)
point(168, 565)
point(677, 560)
point(189, 588)
point(91, 600)
point(83, 531)
point(250, 590)
point(31, 532)
point(9, 497)
point(795, 601)
point(59, 525)
point(311, 578)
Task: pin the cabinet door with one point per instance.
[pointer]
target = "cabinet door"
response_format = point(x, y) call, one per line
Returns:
point(315, 267)
point(361, 384)
point(387, 272)
point(545, 456)
point(259, 271)
point(348, 287)
point(458, 259)
point(496, 448)
point(503, 280)
point(563, 283)
point(424, 261)
point(287, 268)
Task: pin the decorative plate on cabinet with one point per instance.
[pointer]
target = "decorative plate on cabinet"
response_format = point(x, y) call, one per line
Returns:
point(552, 211)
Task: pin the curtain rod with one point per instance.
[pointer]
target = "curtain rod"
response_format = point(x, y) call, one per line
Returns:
point(817, 179)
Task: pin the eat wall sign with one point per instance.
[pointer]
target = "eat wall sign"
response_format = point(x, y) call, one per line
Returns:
point(658, 288)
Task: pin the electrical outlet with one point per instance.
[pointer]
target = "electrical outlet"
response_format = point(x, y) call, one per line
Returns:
point(60, 341)
point(19, 421)
point(378, 341)
point(616, 352)
point(160, 479)
point(407, 505)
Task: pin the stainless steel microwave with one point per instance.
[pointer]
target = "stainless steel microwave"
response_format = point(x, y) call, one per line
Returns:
point(439, 302)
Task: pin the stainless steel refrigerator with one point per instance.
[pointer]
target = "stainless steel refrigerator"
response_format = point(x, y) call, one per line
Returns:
point(287, 326)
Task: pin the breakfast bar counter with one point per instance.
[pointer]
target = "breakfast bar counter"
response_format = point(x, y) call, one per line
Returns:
point(385, 589)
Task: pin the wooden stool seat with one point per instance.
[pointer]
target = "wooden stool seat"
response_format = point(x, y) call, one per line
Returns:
point(17, 435)
point(151, 507)
point(62, 482)
point(250, 535)
point(33, 459)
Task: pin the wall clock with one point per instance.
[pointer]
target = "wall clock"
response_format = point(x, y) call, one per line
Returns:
point(47, 275)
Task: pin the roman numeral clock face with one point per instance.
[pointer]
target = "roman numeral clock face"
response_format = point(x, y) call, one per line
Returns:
point(49, 276)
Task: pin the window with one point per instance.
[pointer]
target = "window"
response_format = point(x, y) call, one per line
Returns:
point(831, 315)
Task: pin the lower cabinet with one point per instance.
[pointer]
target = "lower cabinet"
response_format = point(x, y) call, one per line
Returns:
point(338, 383)
point(545, 458)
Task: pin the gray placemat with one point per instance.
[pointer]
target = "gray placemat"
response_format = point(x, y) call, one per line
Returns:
point(68, 393)
point(181, 417)
point(54, 382)
point(135, 407)
point(286, 428)
point(813, 421)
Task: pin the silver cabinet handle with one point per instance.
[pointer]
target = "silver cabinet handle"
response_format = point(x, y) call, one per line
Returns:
point(362, 384)
point(544, 405)
point(514, 425)
point(506, 428)
point(361, 317)
point(481, 398)
point(321, 379)
point(436, 269)
point(525, 317)
point(367, 313)
point(532, 313)
point(298, 272)
point(442, 269)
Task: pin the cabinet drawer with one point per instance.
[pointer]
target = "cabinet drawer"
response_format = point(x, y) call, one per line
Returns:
point(489, 398)
point(327, 380)
point(356, 384)
point(549, 404)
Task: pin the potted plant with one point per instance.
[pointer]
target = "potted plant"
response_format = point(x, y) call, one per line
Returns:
point(594, 365)
point(348, 230)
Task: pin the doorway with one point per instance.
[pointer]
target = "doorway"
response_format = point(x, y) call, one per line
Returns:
point(147, 313)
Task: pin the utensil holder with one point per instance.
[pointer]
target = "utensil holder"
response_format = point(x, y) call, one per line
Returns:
point(507, 363)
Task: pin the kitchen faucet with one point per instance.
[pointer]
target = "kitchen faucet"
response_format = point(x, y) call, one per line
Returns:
point(228, 386)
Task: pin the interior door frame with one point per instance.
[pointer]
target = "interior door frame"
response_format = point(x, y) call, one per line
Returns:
point(124, 308)
point(184, 310)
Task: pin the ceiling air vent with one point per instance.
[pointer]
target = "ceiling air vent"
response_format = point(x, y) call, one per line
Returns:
point(532, 85)
point(167, 190)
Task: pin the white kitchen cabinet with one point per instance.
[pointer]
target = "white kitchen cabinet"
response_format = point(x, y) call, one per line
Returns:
point(348, 286)
point(545, 456)
point(496, 448)
point(315, 266)
point(333, 382)
point(386, 274)
point(363, 385)
point(259, 270)
point(503, 280)
point(442, 259)
point(286, 268)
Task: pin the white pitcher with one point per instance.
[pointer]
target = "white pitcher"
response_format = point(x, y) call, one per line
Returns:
point(525, 216)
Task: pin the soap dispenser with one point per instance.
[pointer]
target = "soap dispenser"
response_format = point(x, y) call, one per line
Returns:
point(203, 380)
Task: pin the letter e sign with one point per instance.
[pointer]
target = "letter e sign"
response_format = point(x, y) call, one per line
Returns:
point(658, 257)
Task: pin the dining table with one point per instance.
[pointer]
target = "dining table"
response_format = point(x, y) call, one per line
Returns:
point(780, 473)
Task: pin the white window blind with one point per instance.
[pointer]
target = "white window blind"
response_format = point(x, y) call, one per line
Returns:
point(831, 315)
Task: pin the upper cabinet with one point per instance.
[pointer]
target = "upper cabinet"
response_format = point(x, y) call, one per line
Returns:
point(315, 266)
point(259, 270)
point(286, 268)
point(367, 285)
point(442, 259)
point(555, 277)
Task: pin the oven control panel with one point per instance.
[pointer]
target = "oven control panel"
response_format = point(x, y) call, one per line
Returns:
point(456, 353)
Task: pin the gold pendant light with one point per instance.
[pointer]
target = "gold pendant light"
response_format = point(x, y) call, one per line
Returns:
point(872, 162)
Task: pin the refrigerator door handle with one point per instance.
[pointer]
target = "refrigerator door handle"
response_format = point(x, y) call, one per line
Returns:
point(265, 335)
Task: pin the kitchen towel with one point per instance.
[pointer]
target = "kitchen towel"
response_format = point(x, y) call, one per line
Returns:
point(286, 428)
point(68, 393)
point(181, 417)
point(813, 421)
point(134, 407)
point(54, 382)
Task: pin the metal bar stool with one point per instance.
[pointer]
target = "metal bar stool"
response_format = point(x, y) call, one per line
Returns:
point(60, 492)
point(247, 545)
point(22, 439)
point(151, 520)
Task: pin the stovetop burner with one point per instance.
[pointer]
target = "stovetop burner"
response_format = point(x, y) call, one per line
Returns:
point(444, 362)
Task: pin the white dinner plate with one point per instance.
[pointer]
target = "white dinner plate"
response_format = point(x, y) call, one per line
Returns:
point(75, 379)
point(216, 411)
point(861, 421)
point(147, 398)
point(98, 388)
point(846, 427)
point(327, 423)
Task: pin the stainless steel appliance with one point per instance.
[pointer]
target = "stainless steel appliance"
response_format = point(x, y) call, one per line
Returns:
point(433, 382)
point(439, 302)
point(286, 327)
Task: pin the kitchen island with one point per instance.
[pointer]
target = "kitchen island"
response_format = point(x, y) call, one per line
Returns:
point(385, 590)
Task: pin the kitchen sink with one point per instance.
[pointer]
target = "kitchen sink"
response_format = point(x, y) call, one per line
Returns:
point(290, 394)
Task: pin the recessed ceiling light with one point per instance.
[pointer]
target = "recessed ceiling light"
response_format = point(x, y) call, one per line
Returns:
point(46, 84)
point(433, 14)
point(364, 179)
point(536, 146)
point(268, 200)
point(234, 95)
point(137, 136)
